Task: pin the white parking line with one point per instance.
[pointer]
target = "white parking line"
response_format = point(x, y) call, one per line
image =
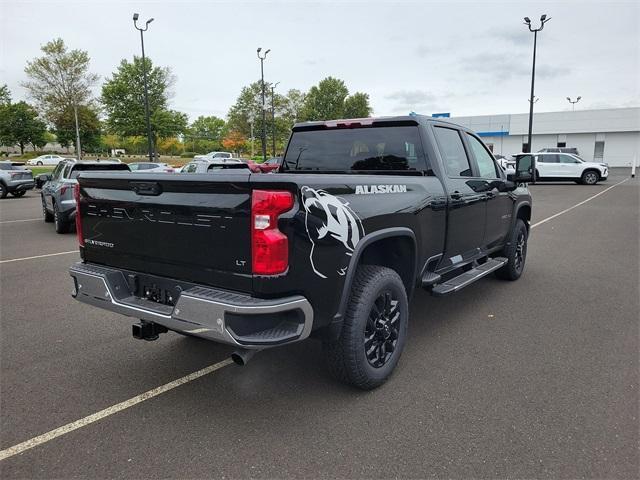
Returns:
point(577, 204)
point(27, 220)
point(83, 422)
point(37, 256)
point(70, 427)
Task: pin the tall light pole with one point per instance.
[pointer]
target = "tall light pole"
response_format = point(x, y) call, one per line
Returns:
point(527, 21)
point(273, 117)
point(264, 113)
point(144, 76)
point(251, 120)
point(573, 103)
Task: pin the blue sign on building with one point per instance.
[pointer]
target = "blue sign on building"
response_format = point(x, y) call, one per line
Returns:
point(441, 115)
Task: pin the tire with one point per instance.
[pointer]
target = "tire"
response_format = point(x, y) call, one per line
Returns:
point(18, 194)
point(590, 177)
point(62, 226)
point(377, 298)
point(39, 164)
point(48, 216)
point(516, 253)
point(3, 191)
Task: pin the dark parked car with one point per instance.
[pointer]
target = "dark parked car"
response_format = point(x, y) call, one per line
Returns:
point(58, 199)
point(15, 179)
point(360, 215)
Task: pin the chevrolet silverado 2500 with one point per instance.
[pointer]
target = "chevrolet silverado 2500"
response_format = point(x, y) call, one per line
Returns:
point(361, 214)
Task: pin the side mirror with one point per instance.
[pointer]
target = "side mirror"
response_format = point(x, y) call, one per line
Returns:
point(525, 170)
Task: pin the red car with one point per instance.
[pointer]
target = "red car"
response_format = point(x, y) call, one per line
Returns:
point(270, 165)
point(253, 166)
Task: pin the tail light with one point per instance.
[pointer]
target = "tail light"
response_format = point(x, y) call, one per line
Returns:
point(270, 247)
point(76, 195)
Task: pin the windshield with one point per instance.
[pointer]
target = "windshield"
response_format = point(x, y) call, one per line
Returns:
point(395, 148)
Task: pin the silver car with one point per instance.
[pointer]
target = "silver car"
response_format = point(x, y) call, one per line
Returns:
point(15, 179)
point(219, 165)
point(58, 201)
point(151, 167)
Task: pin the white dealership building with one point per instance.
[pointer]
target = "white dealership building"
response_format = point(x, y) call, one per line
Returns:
point(611, 135)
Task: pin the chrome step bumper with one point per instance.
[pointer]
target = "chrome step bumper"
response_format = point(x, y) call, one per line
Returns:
point(201, 311)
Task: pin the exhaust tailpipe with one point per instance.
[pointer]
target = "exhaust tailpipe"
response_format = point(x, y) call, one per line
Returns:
point(242, 356)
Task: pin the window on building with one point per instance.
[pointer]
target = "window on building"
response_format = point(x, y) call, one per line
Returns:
point(525, 147)
point(489, 146)
point(598, 151)
point(455, 158)
point(561, 144)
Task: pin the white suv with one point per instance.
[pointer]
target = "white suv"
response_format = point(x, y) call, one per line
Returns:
point(565, 166)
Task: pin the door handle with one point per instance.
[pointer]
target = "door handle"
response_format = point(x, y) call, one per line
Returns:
point(456, 195)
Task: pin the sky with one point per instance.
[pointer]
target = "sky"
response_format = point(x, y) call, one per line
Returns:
point(466, 58)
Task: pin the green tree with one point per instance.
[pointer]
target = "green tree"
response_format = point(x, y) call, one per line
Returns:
point(5, 95)
point(20, 125)
point(293, 105)
point(357, 106)
point(60, 80)
point(326, 100)
point(89, 125)
point(123, 100)
point(205, 134)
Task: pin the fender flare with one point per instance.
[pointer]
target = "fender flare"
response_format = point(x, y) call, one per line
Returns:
point(336, 324)
point(516, 209)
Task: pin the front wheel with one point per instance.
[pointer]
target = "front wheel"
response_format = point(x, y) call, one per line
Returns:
point(19, 194)
point(590, 177)
point(3, 191)
point(516, 252)
point(374, 330)
point(48, 217)
point(39, 164)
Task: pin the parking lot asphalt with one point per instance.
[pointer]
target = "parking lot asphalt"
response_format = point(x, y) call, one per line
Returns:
point(534, 378)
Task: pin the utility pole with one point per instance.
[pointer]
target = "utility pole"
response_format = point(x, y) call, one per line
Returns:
point(146, 90)
point(251, 120)
point(527, 21)
point(273, 117)
point(264, 108)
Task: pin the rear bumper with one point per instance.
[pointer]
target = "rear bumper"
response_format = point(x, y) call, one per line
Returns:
point(20, 185)
point(218, 315)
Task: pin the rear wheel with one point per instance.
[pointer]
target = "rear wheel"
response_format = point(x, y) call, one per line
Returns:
point(3, 190)
point(374, 330)
point(19, 194)
point(62, 226)
point(590, 177)
point(516, 252)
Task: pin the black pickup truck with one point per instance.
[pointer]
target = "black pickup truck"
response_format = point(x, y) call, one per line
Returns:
point(360, 214)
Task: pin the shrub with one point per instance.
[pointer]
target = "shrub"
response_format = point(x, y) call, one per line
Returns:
point(188, 154)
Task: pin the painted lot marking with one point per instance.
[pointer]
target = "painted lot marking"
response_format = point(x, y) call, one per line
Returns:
point(37, 256)
point(577, 204)
point(26, 220)
point(83, 422)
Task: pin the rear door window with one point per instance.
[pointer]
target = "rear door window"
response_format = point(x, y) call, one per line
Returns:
point(389, 148)
point(455, 159)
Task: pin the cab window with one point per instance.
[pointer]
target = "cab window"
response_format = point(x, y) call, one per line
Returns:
point(454, 156)
point(486, 165)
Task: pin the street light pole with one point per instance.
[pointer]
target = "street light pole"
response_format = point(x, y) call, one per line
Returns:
point(527, 21)
point(251, 120)
point(573, 103)
point(273, 117)
point(264, 113)
point(146, 90)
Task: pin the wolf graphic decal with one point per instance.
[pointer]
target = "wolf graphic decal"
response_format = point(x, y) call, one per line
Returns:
point(330, 221)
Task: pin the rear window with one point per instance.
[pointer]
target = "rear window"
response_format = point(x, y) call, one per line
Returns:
point(357, 149)
point(78, 169)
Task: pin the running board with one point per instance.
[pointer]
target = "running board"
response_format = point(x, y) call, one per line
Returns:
point(467, 278)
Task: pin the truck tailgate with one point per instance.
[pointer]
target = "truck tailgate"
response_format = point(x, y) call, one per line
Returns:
point(194, 228)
